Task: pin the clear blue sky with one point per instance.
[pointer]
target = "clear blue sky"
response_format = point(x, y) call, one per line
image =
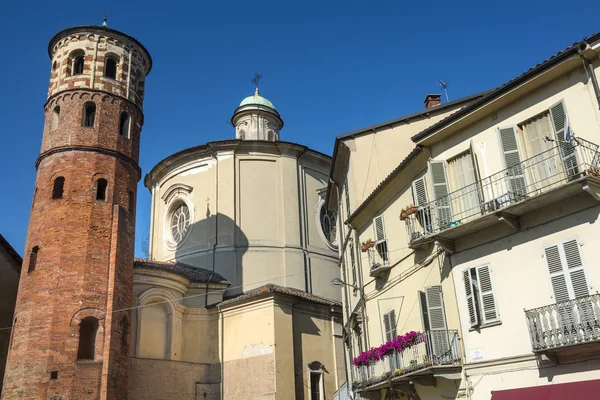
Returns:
point(329, 68)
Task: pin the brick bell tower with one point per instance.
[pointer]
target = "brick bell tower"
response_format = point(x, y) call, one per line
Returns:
point(69, 339)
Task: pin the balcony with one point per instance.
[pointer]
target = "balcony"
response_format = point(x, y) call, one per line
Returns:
point(563, 171)
point(557, 327)
point(434, 354)
point(378, 258)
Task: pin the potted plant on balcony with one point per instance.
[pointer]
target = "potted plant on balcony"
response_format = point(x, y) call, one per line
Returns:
point(364, 246)
point(408, 210)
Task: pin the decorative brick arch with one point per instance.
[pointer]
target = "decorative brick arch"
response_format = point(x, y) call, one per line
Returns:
point(100, 316)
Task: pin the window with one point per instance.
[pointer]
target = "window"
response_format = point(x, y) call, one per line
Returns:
point(58, 189)
point(124, 125)
point(380, 239)
point(87, 338)
point(54, 120)
point(89, 114)
point(242, 134)
point(434, 320)
point(101, 185)
point(54, 66)
point(389, 325)
point(316, 385)
point(78, 63)
point(328, 225)
point(124, 332)
point(463, 177)
point(271, 136)
point(481, 302)
point(110, 68)
point(53, 375)
point(180, 222)
point(33, 259)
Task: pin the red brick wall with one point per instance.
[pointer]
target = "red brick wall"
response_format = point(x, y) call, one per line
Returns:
point(85, 261)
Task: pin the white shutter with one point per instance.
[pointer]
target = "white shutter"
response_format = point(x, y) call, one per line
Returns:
point(566, 269)
point(512, 161)
point(438, 335)
point(437, 171)
point(424, 311)
point(419, 192)
point(575, 267)
point(489, 312)
point(560, 122)
point(473, 317)
point(557, 274)
point(379, 228)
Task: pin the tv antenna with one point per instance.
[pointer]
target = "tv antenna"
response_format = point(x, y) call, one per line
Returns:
point(444, 86)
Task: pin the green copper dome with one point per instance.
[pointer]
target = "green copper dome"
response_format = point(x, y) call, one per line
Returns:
point(257, 99)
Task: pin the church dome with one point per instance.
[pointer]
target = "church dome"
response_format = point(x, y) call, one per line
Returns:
point(257, 100)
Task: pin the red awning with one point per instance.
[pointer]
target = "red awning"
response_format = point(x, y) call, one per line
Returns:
point(576, 390)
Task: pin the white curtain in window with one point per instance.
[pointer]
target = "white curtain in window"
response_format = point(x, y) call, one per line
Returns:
point(463, 180)
point(542, 164)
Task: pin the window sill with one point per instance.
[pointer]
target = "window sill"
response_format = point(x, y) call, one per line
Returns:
point(479, 327)
point(88, 362)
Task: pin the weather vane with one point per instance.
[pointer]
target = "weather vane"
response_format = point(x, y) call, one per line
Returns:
point(104, 22)
point(256, 79)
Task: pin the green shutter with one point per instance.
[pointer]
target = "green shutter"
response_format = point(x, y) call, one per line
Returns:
point(489, 312)
point(437, 321)
point(471, 307)
point(439, 181)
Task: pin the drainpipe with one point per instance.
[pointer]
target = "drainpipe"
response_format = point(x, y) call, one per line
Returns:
point(345, 290)
point(303, 230)
point(214, 155)
point(589, 69)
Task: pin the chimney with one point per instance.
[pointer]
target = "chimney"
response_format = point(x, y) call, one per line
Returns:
point(432, 100)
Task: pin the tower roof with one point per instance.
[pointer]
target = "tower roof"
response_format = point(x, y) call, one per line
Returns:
point(258, 100)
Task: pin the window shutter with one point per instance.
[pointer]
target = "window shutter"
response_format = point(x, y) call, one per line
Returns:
point(437, 171)
point(386, 326)
point(558, 278)
point(476, 172)
point(575, 267)
point(424, 311)
point(512, 160)
point(438, 335)
point(473, 318)
point(489, 313)
point(379, 228)
point(419, 192)
point(560, 122)
point(389, 322)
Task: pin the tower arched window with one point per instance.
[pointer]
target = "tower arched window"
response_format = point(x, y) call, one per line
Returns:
point(89, 114)
point(33, 259)
point(110, 68)
point(88, 327)
point(101, 185)
point(242, 134)
point(55, 117)
point(78, 64)
point(271, 136)
point(124, 125)
point(58, 188)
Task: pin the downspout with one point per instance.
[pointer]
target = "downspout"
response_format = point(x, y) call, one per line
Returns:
point(363, 300)
point(213, 155)
point(303, 225)
point(589, 69)
point(345, 289)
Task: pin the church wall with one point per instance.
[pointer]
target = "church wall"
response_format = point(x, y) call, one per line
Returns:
point(163, 379)
point(268, 212)
point(200, 335)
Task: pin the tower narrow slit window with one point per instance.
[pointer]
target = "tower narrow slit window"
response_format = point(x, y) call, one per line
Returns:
point(33, 259)
point(89, 114)
point(131, 202)
point(101, 185)
point(58, 188)
point(88, 327)
point(124, 125)
point(110, 68)
point(54, 120)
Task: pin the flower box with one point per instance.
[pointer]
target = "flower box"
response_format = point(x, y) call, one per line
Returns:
point(409, 211)
point(367, 245)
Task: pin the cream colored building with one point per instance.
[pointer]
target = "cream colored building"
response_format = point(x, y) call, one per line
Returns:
point(506, 193)
point(235, 301)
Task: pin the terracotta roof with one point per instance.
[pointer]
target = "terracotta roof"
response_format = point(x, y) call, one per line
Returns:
point(12, 253)
point(492, 94)
point(192, 273)
point(272, 288)
point(415, 152)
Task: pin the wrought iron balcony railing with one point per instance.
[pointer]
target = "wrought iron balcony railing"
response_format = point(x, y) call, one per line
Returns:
point(548, 170)
point(378, 258)
point(431, 349)
point(564, 324)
